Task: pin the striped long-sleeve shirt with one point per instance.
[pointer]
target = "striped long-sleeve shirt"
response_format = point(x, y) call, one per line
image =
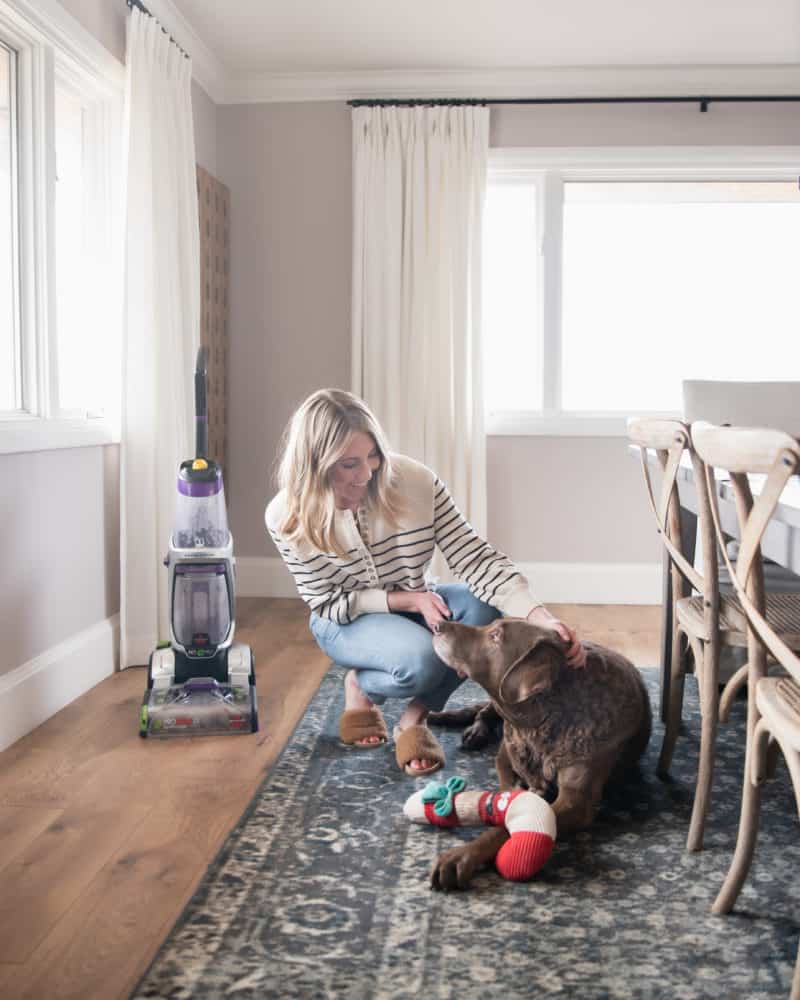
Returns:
point(382, 557)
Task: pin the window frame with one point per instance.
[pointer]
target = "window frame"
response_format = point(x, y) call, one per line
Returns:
point(51, 45)
point(549, 168)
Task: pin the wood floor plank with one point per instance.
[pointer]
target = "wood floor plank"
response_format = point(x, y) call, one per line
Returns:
point(19, 825)
point(46, 878)
point(131, 903)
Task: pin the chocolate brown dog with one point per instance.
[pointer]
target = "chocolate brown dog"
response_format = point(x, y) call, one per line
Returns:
point(564, 729)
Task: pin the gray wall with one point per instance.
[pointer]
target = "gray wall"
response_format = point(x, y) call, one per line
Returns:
point(288, 170)
point(288, 167)
point(60, 509)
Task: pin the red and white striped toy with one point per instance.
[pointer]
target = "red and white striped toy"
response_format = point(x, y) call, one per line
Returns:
point(527, 817)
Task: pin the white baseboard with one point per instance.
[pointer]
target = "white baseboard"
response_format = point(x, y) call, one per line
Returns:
point(554, 583)
point(30, 694)
point(595, 583)
point(263, 577)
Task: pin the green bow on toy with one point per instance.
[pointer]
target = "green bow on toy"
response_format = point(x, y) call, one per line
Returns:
point(443, 795)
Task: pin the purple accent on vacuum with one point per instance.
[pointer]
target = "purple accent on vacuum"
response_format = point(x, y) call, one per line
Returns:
point(199, 489)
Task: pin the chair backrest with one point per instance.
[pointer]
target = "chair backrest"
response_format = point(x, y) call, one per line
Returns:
point(743, 404)
point(670, 440)
point(742, 452)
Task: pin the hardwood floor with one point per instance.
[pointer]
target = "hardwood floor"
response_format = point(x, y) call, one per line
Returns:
point(105, 836)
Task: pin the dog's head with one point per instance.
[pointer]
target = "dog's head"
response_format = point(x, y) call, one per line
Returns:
point(511, 658)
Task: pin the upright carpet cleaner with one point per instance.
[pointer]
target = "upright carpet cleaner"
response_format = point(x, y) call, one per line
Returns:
point(201, 682)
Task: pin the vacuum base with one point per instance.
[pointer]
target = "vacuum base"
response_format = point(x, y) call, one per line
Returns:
point(200, 707)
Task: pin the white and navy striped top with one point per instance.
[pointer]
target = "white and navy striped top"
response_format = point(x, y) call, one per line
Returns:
point(383, 557)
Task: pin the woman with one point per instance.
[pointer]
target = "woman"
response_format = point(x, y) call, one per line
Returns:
point(356, 525)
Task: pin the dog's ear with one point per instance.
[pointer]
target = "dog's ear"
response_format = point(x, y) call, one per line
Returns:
point(533, 673)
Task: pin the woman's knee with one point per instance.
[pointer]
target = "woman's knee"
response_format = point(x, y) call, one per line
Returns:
point(465, 607)
point(416, 676)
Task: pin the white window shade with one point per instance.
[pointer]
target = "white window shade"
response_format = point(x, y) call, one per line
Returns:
point(666, 281)
point(86, 281)
point(10, 375)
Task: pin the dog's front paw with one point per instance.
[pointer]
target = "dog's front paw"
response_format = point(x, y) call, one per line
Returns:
point(452, 869)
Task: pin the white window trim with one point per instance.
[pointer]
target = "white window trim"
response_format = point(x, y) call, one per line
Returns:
point(550, 167)
point(49, 41)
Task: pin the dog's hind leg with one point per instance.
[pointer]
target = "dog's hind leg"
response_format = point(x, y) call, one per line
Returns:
point(483, 724)
point(456, 718)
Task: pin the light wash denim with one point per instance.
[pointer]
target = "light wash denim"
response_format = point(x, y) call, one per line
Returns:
point(393, 653)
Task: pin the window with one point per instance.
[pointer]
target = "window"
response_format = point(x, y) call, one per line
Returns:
point(610, 277)
point(60, 321)
point(10, 387)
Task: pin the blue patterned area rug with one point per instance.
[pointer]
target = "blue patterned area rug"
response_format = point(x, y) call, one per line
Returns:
point(321, 890)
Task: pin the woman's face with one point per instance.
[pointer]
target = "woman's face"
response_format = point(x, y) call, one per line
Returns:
point(352, 471)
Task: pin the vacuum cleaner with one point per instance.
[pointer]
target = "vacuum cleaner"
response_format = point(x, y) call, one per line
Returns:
point(201, 682)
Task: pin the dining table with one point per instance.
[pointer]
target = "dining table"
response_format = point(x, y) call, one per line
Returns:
point(780, 542)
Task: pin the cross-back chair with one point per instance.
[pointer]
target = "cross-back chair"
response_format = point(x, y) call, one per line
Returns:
point(773, 710)
point(706, 618)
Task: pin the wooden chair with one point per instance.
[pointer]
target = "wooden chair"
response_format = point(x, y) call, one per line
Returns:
point(707, 618)
point(773, 710)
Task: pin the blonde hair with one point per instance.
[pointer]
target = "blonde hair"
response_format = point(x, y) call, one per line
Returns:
point(313, 442)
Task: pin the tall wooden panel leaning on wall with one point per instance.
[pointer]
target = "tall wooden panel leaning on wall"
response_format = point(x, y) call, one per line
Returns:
point(215, 212)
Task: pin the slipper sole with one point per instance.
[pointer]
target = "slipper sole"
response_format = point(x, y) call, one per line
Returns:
point(362, 746)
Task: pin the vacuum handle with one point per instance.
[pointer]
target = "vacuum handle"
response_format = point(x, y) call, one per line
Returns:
point(200, 405)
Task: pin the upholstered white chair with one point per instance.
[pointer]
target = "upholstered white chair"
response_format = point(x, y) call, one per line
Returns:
point(743, 404)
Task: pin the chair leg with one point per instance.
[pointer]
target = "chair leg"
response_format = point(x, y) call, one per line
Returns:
point(674, 709)
point(745, 847)
point(751, 795)
point(709, 714)
point(732, 688)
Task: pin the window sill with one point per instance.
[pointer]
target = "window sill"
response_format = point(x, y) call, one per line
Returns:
point(565, 424)
point(20, 435)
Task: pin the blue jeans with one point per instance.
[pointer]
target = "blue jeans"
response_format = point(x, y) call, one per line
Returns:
point(393, 653)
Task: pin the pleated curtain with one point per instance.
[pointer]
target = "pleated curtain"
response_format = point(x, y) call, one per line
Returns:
point(161, 323)
point(419, 176)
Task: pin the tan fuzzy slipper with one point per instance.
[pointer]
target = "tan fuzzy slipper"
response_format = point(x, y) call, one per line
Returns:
point(417, 743)
point(359, 723)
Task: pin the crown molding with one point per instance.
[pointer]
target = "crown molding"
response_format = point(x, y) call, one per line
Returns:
point(207, 69)
point(548, 81)
point(46, 21)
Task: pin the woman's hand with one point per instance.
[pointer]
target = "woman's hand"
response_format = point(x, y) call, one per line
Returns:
point(421, 602)
point(575, 654)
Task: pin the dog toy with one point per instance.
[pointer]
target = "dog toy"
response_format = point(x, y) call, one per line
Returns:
point(527, 817)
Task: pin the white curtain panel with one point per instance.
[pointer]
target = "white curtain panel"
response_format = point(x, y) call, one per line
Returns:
point(419, 178)
point(162, 312)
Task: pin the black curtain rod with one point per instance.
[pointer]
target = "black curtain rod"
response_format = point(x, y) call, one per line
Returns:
point(703, 102)
point(140, 6)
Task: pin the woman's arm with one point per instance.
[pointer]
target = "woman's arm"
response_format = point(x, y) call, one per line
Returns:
point(422, 602)
point(490, 575)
